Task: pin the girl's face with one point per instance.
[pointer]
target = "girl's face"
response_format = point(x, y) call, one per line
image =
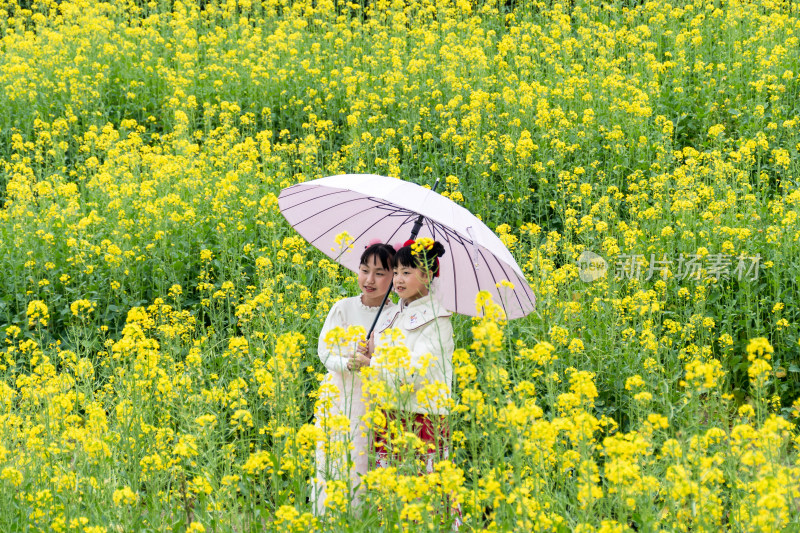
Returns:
point(410, 283)
point(374, 281)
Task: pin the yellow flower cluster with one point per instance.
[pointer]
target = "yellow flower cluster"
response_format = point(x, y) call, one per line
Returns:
point(421, 245)
point(37, 314)
point(82, 308)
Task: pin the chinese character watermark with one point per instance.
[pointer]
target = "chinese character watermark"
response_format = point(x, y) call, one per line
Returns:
point(683, 267)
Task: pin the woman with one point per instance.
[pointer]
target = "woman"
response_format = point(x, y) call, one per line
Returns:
point(341, 388)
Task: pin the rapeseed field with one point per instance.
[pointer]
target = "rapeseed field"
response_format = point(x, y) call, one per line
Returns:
point(159, 317)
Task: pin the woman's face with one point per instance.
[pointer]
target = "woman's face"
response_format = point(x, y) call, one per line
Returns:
point(374, 281)
point(410, 283)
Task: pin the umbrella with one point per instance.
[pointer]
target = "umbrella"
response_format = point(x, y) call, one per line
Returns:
point(370, 207)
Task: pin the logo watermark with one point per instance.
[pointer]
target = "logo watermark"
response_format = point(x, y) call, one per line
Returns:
point(591, 266)
point(720, 266)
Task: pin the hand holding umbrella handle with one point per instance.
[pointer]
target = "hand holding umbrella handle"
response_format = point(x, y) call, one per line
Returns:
point(361, 357)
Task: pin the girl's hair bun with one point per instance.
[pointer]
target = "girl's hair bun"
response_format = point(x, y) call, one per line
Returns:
point(424, 258)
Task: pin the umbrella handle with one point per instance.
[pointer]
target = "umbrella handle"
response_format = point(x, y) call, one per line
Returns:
point(380, 309)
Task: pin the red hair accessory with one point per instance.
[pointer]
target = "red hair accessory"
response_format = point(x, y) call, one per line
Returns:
point(409, 242)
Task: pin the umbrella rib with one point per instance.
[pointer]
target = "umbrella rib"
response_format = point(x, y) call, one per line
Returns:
point(378, 204)
point(411, 216)
point(432, 227)
point(457, 238)
point(514, 293)
point(380, 207)
point(503, 267)
point(491, 272)
point(455, 271)
point(325, 192)
point(299, 188)
point(400, 211)
point(445, 230)
point(522, 280)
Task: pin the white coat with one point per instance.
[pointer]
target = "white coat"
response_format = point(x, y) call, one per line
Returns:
point(424, 383)
point(349, 401)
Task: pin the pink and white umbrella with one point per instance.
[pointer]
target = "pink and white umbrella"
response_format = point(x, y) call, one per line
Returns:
point(370, 207)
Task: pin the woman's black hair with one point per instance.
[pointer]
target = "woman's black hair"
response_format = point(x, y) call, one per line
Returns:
point(383, 253)
point(427, 261)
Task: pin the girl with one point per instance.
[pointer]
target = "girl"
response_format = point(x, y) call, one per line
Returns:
point(419, 385)
point(374, 279)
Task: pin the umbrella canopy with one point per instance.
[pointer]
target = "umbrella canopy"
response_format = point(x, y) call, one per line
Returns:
point(370, 207)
